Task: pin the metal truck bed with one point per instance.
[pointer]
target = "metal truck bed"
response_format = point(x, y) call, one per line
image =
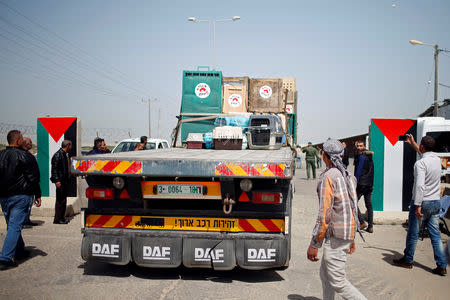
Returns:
point(190, 163)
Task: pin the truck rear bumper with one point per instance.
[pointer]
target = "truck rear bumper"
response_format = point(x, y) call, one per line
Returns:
point(170, 249)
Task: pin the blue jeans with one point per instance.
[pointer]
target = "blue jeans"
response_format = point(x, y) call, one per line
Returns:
point(430, 211)
point(15, 210)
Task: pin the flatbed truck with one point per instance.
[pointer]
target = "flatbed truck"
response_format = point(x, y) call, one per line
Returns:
point(198, 208)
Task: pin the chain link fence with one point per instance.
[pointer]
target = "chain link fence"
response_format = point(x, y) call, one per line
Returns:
point(111, 135)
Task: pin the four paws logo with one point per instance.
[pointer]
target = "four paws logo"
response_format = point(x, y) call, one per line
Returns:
point(235, 100)
point(265, 91)
point(202, 90)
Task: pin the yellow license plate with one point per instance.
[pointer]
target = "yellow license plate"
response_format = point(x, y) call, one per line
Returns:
point(181, 189)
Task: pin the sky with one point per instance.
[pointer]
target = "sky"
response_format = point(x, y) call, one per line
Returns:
point(103, 60)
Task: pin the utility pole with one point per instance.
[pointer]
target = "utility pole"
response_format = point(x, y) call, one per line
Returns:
point(436, 55)
point(149, 116)
point(159, 122)
point(149, 119)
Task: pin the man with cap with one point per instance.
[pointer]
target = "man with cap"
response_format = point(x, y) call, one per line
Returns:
point(311, 155)
point(336, 224)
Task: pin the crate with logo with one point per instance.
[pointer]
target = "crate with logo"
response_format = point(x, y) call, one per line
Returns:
point(290, 98)
point(266, 95)
point(202, 92)
point(228, 138)
point(235, 95)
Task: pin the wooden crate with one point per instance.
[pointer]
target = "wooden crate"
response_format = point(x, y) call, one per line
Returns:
point(266, 95)
point(289, 83)
point(235, 99)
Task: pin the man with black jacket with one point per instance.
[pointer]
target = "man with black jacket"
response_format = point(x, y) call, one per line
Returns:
point(60, 177)
point(19, 181)
point(364, 176)
point(27, 144)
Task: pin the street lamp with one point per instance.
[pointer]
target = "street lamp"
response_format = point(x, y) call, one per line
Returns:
point(195, 20)
point(436, 56)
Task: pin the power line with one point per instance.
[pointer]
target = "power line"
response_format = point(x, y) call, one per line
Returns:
point(63, 53)
point(53, 77)
point(68, 42)
point(86, 80)
point(93, 58)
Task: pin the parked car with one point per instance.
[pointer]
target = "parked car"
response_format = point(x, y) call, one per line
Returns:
point(130, 144)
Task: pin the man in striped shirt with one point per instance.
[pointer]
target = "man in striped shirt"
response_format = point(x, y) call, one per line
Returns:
point(336, 224)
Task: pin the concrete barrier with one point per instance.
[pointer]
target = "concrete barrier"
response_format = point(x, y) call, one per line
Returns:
point(47, 208)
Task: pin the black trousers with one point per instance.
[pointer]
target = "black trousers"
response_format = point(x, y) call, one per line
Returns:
point(365, 191)
point(61, 203)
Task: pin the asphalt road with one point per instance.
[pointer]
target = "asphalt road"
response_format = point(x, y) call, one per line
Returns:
point(56, 270)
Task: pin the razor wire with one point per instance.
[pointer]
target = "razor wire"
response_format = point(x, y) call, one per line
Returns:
point(111, 135)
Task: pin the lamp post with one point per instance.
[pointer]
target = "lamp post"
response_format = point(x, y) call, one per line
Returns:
point(436, 82)
point(149, 101)
point(213, 22)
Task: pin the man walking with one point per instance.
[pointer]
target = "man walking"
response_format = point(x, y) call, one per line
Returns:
point(364, 176)
point(18, 183)
point(60, 177)
point(311, 155)
point(336, 224)
point(27, 144)
point(425, 205)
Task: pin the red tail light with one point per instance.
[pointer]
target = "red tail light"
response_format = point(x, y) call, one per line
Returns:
point(94, 193)
point(267, 198)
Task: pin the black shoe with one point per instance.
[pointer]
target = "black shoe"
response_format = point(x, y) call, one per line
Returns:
point(369, 229)
point(402, 263)
point(23, 255)
point(440, 271)
point(31, 223)
point(5, 265)
point(61, 222)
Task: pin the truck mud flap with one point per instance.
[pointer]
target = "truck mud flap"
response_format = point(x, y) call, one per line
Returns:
point(157, 252)
point(261, 254)
point(204, 253)
point(114, 249)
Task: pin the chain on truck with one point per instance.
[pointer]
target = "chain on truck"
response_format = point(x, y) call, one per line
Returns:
point(203, 208)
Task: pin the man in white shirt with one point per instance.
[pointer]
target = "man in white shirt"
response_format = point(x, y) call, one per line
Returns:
point(425, 205)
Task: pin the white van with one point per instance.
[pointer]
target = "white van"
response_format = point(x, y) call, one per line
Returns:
point(130, 144)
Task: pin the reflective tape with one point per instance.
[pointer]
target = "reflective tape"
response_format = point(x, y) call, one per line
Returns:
point(184, 223)
point(108, 166)
point(255, 170)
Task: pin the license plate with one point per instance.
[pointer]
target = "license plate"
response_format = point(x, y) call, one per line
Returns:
point(179, 189)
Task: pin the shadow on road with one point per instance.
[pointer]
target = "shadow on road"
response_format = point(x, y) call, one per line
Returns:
point(300, 297)
point(33, 253)
point(38, 222)
point(237, 274)
point(389, 257)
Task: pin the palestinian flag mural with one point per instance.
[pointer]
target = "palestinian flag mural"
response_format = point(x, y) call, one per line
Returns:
point(393, 162)
point(51, 131)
